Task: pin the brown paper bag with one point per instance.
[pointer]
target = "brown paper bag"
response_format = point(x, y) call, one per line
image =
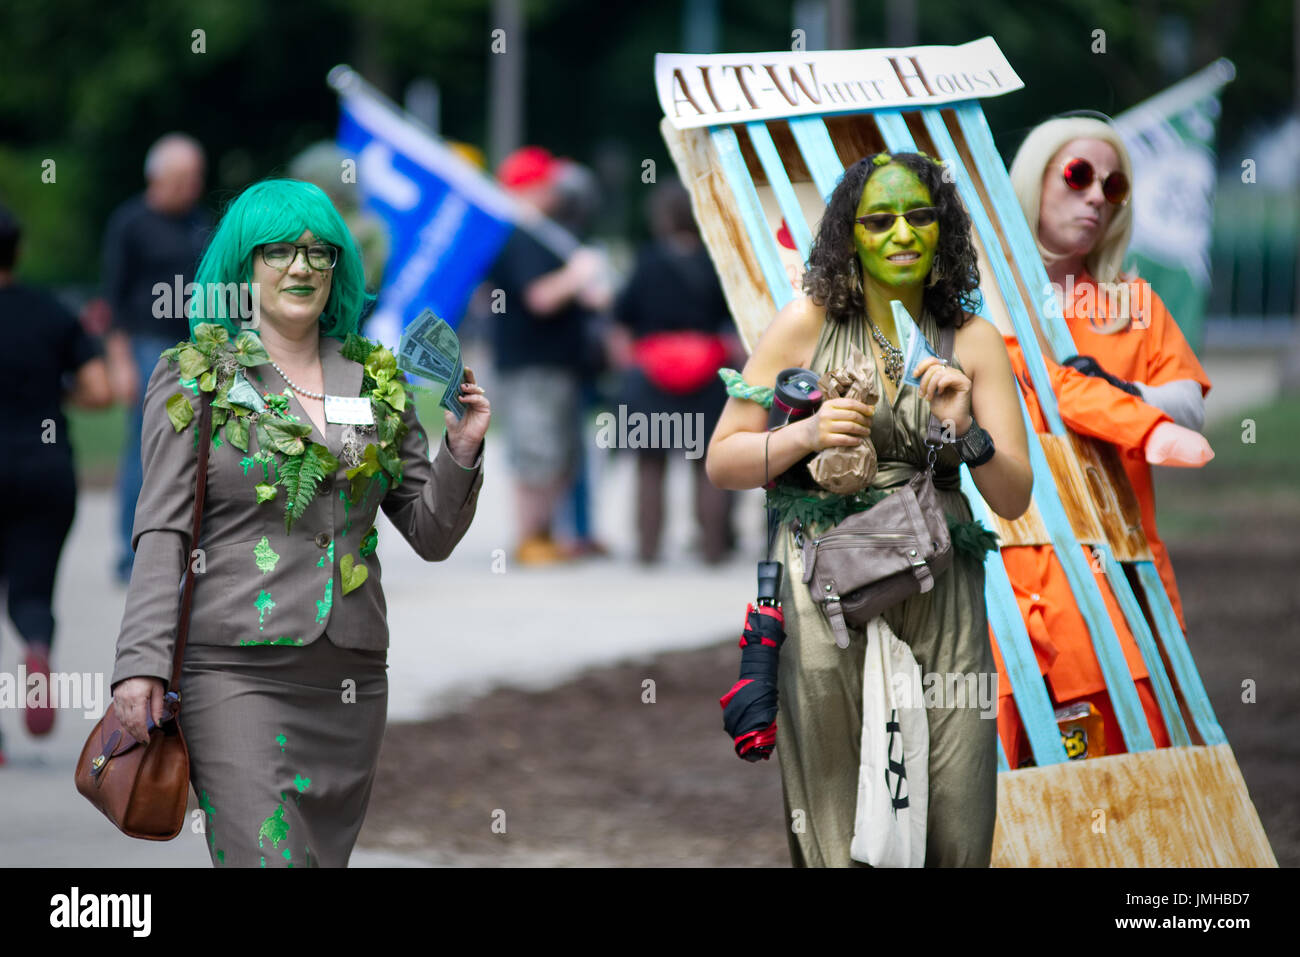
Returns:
point(847, 470)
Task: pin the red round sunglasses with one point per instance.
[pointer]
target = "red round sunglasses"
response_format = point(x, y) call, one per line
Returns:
point(1079, 174)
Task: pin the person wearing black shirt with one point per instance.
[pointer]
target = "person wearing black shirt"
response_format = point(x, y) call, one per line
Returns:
point(155, 237)
point(46, 357)
point(539, 346)
point(673, 306)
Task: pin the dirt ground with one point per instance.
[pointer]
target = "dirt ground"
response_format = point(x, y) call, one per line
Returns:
point(588, 774)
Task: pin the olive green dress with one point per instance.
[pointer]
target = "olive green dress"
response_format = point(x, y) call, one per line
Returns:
point(819, 721)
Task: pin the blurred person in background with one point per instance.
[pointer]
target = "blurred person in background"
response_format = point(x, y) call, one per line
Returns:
point(154, 237)
point(48, 358)
point(321, 164)
point(578, 200)
point(539, 343)
point(674, 333)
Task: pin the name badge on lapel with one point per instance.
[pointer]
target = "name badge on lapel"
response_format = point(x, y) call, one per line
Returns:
point(348, 410)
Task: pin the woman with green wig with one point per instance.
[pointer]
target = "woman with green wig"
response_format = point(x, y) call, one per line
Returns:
point(313, 430)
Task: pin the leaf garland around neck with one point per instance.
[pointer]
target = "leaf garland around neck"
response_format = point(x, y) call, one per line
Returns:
point(210, 361)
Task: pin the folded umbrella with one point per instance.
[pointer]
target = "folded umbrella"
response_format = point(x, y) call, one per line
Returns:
point(749, 708)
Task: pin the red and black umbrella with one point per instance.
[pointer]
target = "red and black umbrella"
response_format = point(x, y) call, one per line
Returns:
point(749, 708)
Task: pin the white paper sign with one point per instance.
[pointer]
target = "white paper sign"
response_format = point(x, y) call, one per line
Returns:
point(348, 410)
point(707, 89)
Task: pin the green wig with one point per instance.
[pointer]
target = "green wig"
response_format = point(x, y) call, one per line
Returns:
point(274, 211)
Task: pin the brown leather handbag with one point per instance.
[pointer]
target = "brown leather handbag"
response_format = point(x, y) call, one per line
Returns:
point(144, 788)
point(876, 558)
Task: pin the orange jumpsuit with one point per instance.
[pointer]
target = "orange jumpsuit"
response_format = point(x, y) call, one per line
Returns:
point(1091, 406)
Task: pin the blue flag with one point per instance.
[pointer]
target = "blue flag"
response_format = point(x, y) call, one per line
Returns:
point(447, 221)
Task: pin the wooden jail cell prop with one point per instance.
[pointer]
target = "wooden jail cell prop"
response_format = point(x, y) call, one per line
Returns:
point(1185, 805)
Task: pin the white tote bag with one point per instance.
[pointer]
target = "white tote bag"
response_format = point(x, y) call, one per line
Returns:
point(893, 778)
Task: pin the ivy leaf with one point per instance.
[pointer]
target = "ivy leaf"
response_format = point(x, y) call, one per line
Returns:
point(249, 350)
point(179, 411)
point(287, 436)
point(381, 365)
point(391, 464)
point(264, 443)
point(359, 475)
point(219, 418)
point(369, 542)
point(237, 434)
point(193, 362)
point(392, 393)
point(208, 381)
point(352, 573)
point(210, 335)
point(265, 492)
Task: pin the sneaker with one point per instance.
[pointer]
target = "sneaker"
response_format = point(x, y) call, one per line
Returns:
point(41, 719)
point(540, 550)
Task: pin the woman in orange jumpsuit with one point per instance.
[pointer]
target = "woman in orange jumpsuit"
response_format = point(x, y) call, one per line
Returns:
point(1136, 383)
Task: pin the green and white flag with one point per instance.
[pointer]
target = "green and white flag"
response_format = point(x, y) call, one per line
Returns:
point(1170, 139)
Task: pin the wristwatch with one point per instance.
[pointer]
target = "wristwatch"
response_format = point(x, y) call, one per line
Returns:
point(976, 446)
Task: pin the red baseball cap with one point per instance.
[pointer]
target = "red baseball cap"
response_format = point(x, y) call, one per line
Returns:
point(528, 166)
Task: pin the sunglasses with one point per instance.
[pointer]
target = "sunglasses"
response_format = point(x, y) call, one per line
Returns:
point(916, 218)
point(1079, 174)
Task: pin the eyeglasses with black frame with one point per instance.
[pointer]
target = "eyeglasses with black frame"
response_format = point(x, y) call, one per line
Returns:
point(916, 218)
point(320, 256)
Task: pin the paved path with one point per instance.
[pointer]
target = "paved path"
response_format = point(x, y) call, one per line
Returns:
point(458, 628)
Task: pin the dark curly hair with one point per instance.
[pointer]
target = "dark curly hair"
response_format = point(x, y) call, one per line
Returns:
point(834, 275)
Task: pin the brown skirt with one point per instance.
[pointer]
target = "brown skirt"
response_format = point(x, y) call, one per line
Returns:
point(284, 743)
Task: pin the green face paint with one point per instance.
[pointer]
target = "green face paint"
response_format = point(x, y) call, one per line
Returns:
point(265, 555)
point(263, 604)
point(903, 254)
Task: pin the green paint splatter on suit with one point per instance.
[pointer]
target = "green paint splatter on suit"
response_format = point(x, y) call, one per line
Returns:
point(266, 556)
point(263, 604)
point(281, 740)
point(205, 805)
point(288, 857)
point(347, 509)
point(301, 783)
point(274, 829)
point(323, 604)
point(264, 862)
point(282, 640)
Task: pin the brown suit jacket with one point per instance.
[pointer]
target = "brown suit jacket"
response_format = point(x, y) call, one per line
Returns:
point(257, 583)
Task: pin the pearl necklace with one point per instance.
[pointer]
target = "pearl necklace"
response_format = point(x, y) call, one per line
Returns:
point(293, 385)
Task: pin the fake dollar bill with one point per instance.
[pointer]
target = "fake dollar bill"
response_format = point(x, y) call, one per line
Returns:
point(913, 343)
point(430, 349)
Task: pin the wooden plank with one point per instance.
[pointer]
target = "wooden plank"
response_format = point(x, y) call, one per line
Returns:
point(720, 228)
point(1175, 807)
point(1114, 502)
point(1072, 488)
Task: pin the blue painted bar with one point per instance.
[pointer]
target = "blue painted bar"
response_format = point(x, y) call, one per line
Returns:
point(1137, 623)
point(894, 131)
point(761, 240)
point(1024, 248)
point(997, 261)
point(818, 152)
point(781, 188)
point(1035, 707)
point(1180, 656)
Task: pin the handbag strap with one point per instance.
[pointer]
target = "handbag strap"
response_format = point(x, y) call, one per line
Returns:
point(200, 486)
point(934, 436)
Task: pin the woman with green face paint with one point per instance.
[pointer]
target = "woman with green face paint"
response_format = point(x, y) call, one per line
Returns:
point(893, 230)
